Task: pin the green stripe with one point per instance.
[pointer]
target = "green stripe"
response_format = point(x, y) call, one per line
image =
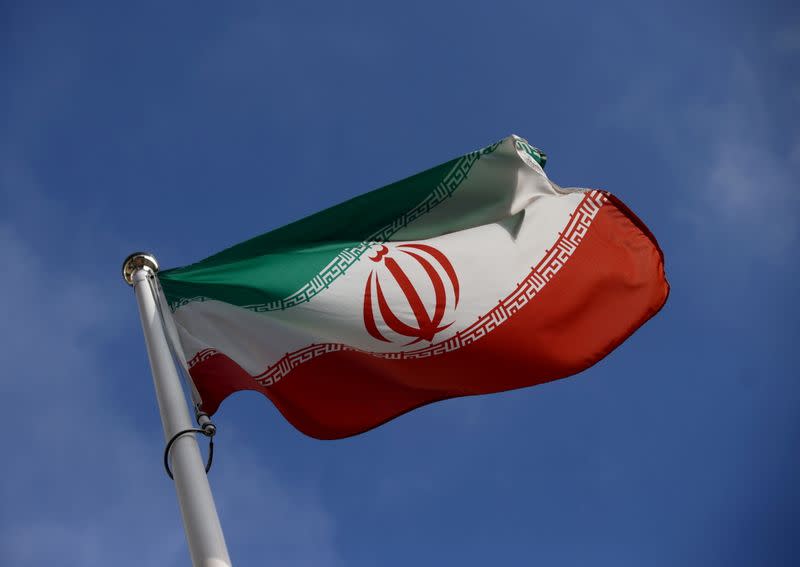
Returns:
point(290, 265)
point(535, 153)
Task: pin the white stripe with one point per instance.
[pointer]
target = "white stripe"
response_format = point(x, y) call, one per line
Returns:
point(491, 260)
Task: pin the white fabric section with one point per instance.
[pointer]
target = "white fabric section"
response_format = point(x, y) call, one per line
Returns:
point(490, 260)
point(500, 185)
point(173, 336)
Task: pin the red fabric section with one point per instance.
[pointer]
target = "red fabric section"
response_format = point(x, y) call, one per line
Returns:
point(613, 284)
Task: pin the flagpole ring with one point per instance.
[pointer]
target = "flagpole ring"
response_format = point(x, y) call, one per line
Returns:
point(207, 431)
point(138, 261)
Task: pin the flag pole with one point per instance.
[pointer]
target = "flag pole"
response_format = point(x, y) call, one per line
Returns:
point(201, 523)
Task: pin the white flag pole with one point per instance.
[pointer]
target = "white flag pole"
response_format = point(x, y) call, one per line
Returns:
point(201, 523)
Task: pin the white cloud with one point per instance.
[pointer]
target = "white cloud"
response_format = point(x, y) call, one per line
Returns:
point(264, 520)
point(753, 193)
point(737, 182)
point(74, 475)
point(749, 187)
point(794, 156)
point(787, 40)
point(82, 482)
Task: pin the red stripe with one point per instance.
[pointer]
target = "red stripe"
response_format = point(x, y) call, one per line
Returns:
point(612, 284)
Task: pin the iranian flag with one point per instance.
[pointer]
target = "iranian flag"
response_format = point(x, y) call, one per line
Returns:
point(476, 276)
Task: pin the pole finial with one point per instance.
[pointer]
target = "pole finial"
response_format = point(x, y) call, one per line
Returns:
point(137, 261)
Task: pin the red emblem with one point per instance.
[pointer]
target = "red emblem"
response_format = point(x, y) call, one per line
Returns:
point(427, 323)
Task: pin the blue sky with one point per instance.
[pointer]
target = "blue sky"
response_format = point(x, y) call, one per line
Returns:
point(184, 127)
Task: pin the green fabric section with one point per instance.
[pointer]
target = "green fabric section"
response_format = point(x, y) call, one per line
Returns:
point(272, 266)
point(293, 263)
point(535, 153)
